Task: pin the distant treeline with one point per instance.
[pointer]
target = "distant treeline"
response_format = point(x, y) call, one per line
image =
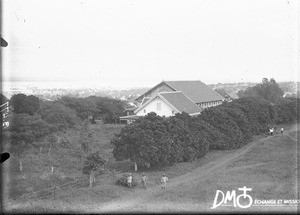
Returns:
point(36, 124)
point(65, 112)
point(163, 141)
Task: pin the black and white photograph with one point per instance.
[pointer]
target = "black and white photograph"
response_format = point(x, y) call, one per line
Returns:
point(161, 106)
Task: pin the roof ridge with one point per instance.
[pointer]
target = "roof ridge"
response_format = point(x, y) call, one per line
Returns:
point(177, 91)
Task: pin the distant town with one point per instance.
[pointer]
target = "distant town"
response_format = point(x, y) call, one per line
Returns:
point(54, 90)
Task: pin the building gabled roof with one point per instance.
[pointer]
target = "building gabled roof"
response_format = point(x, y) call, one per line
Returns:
point(177, 100)
point(181, 102)
point(197, 91)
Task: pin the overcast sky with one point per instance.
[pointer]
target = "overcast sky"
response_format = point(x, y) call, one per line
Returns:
point(140, 43)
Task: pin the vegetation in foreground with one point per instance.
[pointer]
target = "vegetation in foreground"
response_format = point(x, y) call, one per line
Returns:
point(270, 166)
point(56, 134)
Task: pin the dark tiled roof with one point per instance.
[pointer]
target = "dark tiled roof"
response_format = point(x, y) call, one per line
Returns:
point(195, 90)
point(181, 102)
point(131, 109)
point(130, 117)
point(233, 95)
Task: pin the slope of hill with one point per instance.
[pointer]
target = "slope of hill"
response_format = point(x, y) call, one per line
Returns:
point(268, 165)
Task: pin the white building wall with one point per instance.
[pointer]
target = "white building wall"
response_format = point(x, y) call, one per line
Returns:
point(165, 110)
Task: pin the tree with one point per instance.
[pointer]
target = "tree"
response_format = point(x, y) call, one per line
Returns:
point(287, 110)
point(109, 109)
point(159, 141)
point(83, 106)
point(25, 132)
point(24, 104)
point(95, 163)
point(145, 141)
point(257, 111)
point(86, 137)
point(220, 120)
point(268, 90)
point(58, 114)
point(3, 99)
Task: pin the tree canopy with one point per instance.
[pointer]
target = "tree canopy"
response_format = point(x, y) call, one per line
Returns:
point(268, 90)
point(160, 141)
point(107, 108)
point(3, 99)
point(22, 103)
point(58, 114)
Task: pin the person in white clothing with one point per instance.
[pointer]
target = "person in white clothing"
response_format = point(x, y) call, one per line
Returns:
point(129, 180)
point(164, 180)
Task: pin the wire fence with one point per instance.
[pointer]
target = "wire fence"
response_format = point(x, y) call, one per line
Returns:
point(56, 190)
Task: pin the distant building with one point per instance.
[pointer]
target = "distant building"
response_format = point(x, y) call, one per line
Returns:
point(170, 97)
point(231, 96)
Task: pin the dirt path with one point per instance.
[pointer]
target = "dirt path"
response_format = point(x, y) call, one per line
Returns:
point(139, 199)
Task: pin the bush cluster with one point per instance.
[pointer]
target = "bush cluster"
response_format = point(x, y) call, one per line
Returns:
point(161, 141)
point(122, 181)
point(164, 141)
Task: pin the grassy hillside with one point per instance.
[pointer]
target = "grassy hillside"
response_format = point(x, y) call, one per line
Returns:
point(268, 165)
point(63, 159)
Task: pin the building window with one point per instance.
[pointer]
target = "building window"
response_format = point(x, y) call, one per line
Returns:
point(158, 106)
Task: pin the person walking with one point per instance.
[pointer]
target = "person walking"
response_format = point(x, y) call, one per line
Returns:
point(164, 180)
point(144, 180)
point(281, 130)
point(129, 180)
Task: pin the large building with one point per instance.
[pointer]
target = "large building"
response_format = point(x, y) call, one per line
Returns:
point(170, 97)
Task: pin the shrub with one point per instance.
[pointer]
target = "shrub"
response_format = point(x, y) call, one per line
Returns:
point(287, 110)
point(257, 112)
point(164, 141)
point(223, 123)
point(160, 141)
point(122, 181)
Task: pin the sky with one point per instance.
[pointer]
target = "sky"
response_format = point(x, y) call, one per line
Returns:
point(140, 43)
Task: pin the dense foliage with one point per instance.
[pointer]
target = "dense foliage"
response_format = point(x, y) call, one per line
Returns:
point(58, 115)
point(94, 162)
point(268, 90)
point(36, 124)
point(22, 103)
point(163, 141)
point(24, 133)
point(100, 107)
point(3, 99)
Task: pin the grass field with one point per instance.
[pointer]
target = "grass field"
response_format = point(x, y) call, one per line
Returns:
point(268, 165)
